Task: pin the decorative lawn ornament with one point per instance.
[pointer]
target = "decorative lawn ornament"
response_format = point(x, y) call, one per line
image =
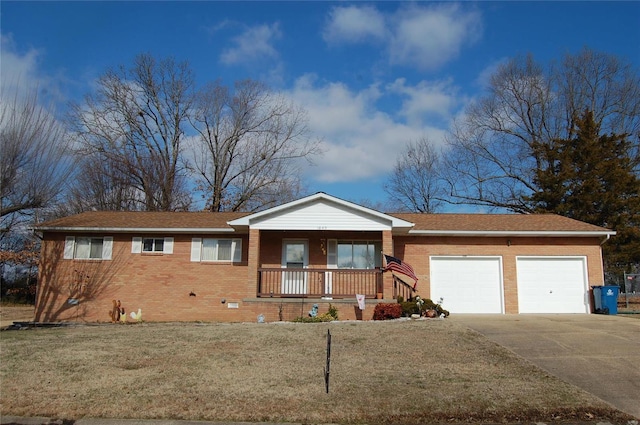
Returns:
point(137, 316)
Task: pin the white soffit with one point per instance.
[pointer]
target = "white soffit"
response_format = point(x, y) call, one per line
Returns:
point(321, 212)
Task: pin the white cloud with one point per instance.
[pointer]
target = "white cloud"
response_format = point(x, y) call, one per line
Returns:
point(426, 101)
point(425, 37)
point(360, 141)
point(354, 24)
point(254, 44)
point(483, 80)
point(21, 74)
point(18, 71)
point(428, 37)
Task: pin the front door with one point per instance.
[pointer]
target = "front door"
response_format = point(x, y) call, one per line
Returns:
point(295, 259)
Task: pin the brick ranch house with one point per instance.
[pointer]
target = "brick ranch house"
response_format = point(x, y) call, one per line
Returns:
point(200, 266)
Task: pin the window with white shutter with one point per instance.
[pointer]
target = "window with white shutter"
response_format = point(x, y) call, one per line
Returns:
point(216, 250)
point(88, 247)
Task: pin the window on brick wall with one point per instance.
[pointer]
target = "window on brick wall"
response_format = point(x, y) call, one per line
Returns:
point(88, 247)
point(151, 245)
point(359, 254)
point(216, 250)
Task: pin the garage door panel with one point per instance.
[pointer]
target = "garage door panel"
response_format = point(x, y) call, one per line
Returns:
point(467, 284)
point(552, 285)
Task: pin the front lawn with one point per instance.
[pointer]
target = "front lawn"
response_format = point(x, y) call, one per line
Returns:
point(381, 372)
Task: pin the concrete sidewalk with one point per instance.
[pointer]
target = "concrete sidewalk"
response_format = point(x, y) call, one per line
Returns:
point(600, 354)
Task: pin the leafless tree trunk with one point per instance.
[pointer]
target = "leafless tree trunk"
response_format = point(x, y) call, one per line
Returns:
point(34, 159)
point(250, 146)
point(415, 184)
point(135, 123)
point(492, 157)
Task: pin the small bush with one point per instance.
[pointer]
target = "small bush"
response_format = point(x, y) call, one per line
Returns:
point(387, 311)
point(329, 316)
point(411, 307)
point(333, 312)
point(326, 317)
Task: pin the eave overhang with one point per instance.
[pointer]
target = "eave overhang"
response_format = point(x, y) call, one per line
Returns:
point(163, 230)
point(514, 233)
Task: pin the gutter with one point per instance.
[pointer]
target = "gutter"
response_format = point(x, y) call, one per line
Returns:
point(493, 233)
point(133, 230)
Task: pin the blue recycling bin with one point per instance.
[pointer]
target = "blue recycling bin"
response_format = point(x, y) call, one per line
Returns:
point(606, 299)
point(609, 296)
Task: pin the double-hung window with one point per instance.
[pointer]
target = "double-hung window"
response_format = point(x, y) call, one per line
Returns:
point(151, 245)
point(88, 247)
point(216, 250)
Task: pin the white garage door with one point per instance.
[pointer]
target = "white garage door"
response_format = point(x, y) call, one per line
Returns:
point(467, 284)
point(552, 285)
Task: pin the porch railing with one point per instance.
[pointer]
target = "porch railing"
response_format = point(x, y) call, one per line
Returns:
point(403, 289)
point(318, 283)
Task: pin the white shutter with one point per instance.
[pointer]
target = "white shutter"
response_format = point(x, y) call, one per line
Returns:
point(69, 245)
point(107, 247)
point(136, 245)
point(332, 253)
point(236, 247)
point(196, 247)
point(168, 246)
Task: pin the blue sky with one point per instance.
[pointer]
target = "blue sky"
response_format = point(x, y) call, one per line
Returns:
point(371, 75)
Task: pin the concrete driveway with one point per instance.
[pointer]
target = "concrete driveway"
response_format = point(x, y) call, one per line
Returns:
point(600, 354)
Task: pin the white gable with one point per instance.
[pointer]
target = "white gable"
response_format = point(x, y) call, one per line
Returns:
point(320, 212)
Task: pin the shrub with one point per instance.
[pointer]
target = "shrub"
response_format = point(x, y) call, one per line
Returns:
point(411, 307)
point(329, 316)
point(326, 317)
point(387, 311)
point(333, 312)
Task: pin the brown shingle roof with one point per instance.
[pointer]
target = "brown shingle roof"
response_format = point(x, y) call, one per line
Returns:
point(497, 223)
point(142, 220)
point(431, 223)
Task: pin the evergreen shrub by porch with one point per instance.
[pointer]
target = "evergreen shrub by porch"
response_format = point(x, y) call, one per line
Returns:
point(411, 307)
point(387, 311)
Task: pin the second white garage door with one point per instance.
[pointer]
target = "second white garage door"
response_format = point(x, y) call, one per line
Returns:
point(468, 284)
point(552, 285)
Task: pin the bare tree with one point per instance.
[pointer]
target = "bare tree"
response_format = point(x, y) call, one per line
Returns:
point(416, 184)
point(103, 186)
point(250, 146)
point(135, 123)
point(494, 149)
point(34, 159)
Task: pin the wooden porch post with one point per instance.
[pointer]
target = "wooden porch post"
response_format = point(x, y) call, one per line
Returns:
point(253, 261)
point(387, 277)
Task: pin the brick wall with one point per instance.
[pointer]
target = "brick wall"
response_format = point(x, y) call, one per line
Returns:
point(169, 287)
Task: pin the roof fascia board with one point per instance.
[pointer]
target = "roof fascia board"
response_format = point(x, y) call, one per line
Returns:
point(546, 233)
point(133, 230)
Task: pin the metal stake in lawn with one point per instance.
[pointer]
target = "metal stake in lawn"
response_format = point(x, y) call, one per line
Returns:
point(328, 366)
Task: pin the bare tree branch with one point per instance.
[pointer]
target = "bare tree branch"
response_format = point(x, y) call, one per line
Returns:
point(135, 121)
point(494, 150)
point(249, 147)
point(34, 162)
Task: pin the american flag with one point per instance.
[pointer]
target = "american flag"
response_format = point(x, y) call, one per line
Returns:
point(396, 265)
